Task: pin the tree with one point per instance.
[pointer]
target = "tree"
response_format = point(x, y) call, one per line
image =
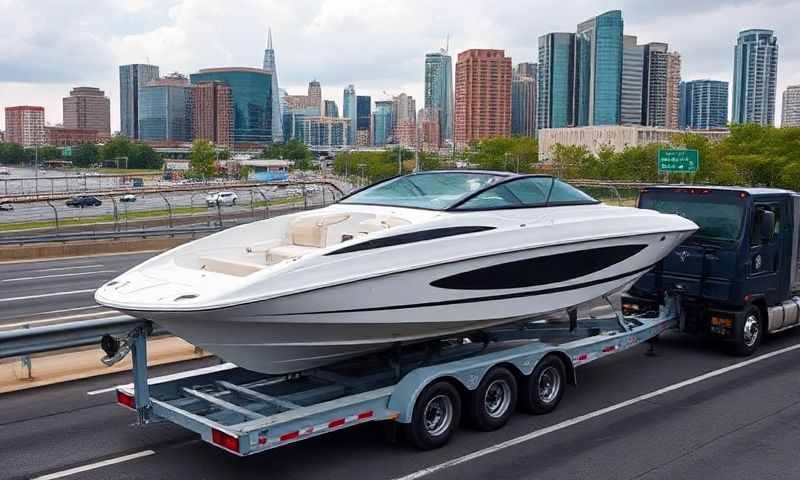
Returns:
point(119, 146)
point(143, 156)
point(201, 159)
point(11, 153)
point(294, 150)
point(85, 155)
point(568, 160)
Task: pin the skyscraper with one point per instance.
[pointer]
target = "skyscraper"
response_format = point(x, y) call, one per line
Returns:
point(661, 87)
point(87, 108)
point(212, 113)
point(350, 111)
point(331, 110)
point(523, 100)
point(598, 70)
point(632, 95)
point(251, 93)
point(482, 96)
point(270, 66)
point(25, 125)
point(363, 119)
point(382, 122)
point(439, 89)
point(755, 76)
point(704, 104)
point(131, 79)
point(555, 80)
point(164, 110)
point(790, 114)
point(315, 95)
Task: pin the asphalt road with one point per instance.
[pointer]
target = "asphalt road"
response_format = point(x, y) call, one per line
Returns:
point(51, 291)
point(740, 424)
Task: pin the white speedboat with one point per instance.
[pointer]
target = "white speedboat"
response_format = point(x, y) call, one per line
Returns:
point(420, 256)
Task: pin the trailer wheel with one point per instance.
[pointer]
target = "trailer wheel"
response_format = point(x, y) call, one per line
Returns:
point(436, 416)
point(748, 338)
point(493, 402)
point(543, 388)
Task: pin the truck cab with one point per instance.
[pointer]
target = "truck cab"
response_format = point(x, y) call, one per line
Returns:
point(737, 275)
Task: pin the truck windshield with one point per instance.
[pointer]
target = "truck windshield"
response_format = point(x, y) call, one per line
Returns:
point(718, 218)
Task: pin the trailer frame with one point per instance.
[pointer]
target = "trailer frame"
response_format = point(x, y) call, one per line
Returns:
point(245, 412)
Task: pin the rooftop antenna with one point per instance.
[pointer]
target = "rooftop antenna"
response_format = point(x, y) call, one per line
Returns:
point(447, 44)
point(269, 38)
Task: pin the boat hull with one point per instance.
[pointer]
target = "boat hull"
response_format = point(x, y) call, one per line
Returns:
point(320, 326)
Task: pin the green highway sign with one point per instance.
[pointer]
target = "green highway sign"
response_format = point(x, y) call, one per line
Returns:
point(680, 161)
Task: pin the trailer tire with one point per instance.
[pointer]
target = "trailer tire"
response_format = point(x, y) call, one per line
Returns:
point(436, 416)
point(492, 403)
point(543, 388)
point(750, 332)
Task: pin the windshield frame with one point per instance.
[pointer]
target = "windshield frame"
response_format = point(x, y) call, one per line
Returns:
point(502, 177)
point(456, 207)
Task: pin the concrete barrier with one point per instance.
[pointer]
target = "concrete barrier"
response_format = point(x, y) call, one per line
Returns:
point(81, 249)
point(64, 367)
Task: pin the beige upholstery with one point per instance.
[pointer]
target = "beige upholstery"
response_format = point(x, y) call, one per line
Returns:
point(263, 247)
point(287, 252)
point(381, 222)
point(228, 267)
point(313, 231)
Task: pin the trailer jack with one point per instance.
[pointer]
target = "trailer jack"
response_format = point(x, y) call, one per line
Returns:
point(116, 349)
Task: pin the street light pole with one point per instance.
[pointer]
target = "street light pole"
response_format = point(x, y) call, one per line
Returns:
point(36, 167)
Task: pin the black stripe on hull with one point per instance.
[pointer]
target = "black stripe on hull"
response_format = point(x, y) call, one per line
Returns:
point(537, 271)
point(490, 298)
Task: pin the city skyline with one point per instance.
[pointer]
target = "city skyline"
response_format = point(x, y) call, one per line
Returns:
point(138, 34)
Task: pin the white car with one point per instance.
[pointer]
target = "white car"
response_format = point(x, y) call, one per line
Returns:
point(221, 198)
point(128, 197)
point(7, 207)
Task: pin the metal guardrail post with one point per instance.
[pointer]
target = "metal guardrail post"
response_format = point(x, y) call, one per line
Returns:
point(219, 211)
point(116, 212)
point(25, 360)
point(55, 213)
point(305, 197)
point(169, 208)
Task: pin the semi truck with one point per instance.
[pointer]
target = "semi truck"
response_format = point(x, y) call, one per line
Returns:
point(737, 276)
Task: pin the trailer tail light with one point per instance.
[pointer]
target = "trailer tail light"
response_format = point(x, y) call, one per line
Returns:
point(720, 321)
point(126, 400)
point(224, 440)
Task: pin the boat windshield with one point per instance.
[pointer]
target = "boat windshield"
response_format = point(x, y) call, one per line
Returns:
point(435, 190)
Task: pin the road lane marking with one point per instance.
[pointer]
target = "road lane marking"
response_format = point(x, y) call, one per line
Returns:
point(93, 466)
point(591, 415)
point(103, 390)
point(45, 295)
point(63, 310)
point(56, 269)
point(57, 319)
point(60, 275)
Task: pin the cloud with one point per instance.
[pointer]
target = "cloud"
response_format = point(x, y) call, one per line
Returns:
point(46, 47)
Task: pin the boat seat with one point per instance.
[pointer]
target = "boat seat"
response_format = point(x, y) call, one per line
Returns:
point(313, 231)
point(263, 247)
point(381, 222)
point(307, 235)
point(228, 267)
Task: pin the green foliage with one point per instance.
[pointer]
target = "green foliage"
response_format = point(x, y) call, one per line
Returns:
point(202, 159)
point(139, 155)
point(244, 172)
point(144, 157)
point(515, 154)
point(85, 155)
point(11, 153)
point(119, 146)
point(293, 150)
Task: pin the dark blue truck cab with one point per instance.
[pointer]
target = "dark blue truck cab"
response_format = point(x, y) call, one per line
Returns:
point(738, 274)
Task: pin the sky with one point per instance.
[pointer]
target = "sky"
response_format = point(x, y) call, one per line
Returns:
point(48, 47)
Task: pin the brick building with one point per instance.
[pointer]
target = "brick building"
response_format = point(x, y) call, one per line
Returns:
point(87, 108)
point(482, 96)
point(211, 105)
point(25, 125)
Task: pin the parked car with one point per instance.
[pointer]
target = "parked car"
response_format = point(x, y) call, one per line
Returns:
point(5, 171)
point(83, 201)
point(128, 197)
point(137, 182)
point(221, 198)
point(6, 207)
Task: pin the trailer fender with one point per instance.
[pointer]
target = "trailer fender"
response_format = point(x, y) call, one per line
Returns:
point(467, 374)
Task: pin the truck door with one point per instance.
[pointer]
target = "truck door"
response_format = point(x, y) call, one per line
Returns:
point(765, 250)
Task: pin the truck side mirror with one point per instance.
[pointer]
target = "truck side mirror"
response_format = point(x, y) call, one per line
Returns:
point(767, 225)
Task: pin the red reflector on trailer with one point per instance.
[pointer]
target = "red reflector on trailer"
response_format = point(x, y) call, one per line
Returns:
point(224, 440)
point(583, 356)
point(364, 415)
point(336, 423)
point(290, 436)
point(609, 348)
point(126, 400)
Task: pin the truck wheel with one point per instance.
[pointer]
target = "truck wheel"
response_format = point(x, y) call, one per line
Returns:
point(542, 390)
point(493, 402)
point(436, 416)
point(748, 338)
